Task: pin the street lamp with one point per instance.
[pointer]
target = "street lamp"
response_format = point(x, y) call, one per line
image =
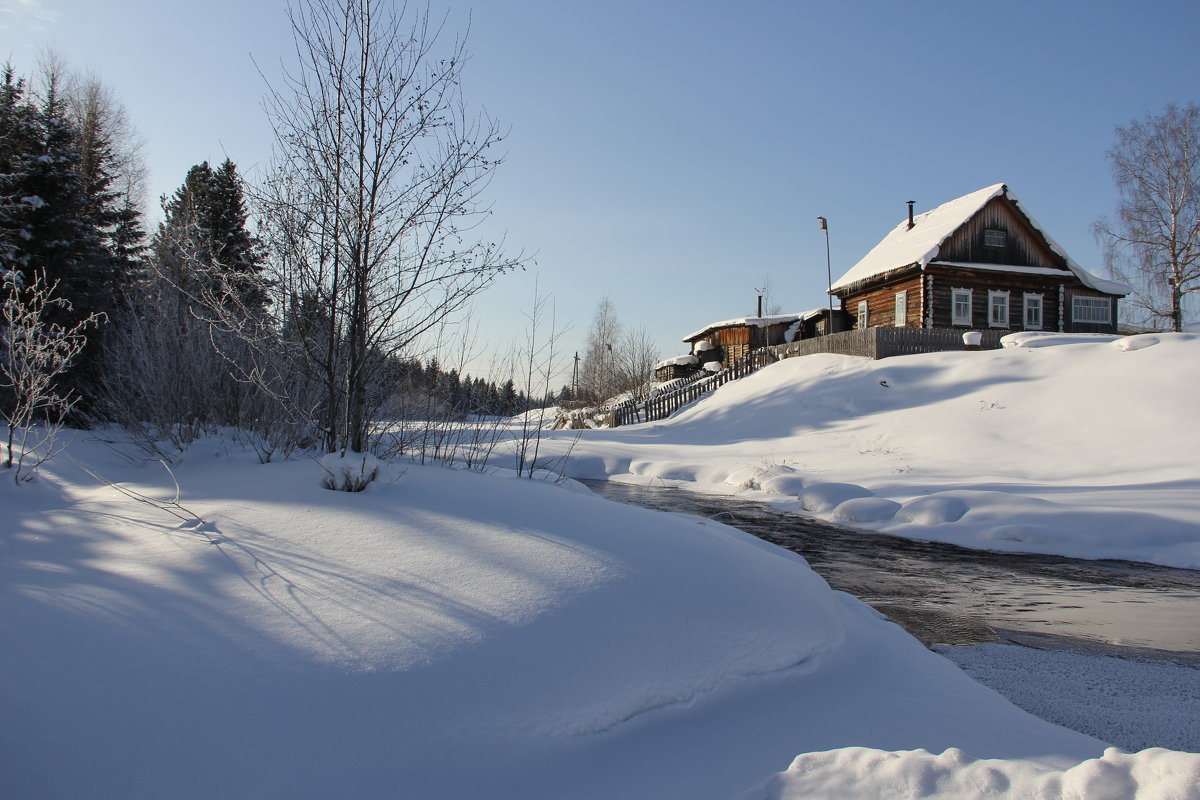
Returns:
point(828, 276)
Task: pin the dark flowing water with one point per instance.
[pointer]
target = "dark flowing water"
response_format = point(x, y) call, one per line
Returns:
point(944, 594)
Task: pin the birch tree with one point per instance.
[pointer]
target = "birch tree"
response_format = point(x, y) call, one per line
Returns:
point(1154, 242)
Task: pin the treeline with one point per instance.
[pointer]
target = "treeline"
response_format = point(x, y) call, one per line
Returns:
point(69, 204)
point(426, 391)
point(299, 332)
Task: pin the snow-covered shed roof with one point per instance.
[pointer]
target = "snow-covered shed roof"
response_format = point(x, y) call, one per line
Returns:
point(678, 361)
point(920, 244)
point(752, 322)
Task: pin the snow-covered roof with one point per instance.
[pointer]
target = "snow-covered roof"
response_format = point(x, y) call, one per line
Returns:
point(753, 322)
point(677, 361)
point(813, 313)
point(920, 244)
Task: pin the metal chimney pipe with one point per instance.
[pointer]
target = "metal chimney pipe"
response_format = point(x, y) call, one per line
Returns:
point(911, 203)
point(760, 305)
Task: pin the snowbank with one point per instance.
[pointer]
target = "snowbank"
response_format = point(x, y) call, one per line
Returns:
point(1084, 450)
point(866, 774)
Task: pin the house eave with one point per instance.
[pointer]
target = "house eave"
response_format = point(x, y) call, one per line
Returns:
point(875, 280)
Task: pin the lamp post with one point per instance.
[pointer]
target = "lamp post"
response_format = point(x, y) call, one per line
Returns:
point(824, 223)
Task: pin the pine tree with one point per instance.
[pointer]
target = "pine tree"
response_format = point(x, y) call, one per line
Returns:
point(236, 253)
point(61, 216)
point(64, 241)
point(182, 246)
point(96, 118)
point(19, 137)
point(509, 401)
point(203, 244)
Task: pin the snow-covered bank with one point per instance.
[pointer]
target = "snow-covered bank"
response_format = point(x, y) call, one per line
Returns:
point(865, 774)
point(442, 634)
point(1086, 448)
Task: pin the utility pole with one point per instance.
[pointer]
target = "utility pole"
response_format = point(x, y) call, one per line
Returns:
point(575, 378)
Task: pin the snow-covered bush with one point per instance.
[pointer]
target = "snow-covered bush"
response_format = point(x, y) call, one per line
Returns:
point(348, 471)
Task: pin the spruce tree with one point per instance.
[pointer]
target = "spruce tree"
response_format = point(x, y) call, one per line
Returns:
point(203, 244)
point(48, 225)
point(19, 137)
point(237, 253)
point(111, 210)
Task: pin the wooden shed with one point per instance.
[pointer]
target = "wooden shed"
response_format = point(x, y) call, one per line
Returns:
point(678, 367)
point(979, 261)
point(731, 340)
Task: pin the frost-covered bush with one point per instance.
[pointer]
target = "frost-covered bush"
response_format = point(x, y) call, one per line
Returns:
point(348, 471)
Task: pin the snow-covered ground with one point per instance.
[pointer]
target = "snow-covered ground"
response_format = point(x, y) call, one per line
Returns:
point(447, 634)
point(1086, 448)
point(1131, 703)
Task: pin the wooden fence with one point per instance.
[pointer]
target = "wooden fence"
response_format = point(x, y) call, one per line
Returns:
point(874, 343)
point(879, 343)
point(667, 403)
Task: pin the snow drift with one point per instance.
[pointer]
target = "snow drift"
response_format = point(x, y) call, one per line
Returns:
point(1080, 445)
point(440, 634)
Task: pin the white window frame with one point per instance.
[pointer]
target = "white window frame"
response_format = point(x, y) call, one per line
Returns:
point(863, 312)
point(1089, 306)
point(1034, 302)
point(901, 309)
point(993, 320)
point(955, 317)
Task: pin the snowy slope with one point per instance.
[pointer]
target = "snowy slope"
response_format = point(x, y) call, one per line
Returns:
point(1084, 449)
point(453, 635)
point(443, 634)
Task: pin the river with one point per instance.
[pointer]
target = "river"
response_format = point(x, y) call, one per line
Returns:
point(943, 594)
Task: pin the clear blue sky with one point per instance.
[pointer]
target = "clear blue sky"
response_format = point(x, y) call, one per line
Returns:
point(673, 154)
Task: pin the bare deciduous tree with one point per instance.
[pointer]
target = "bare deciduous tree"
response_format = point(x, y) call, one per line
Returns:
point(1154, 243)
point(616, 359)
point(597, 370)
point(374, 195)
point(34, 354)
point(636, 357)
point(538, 364)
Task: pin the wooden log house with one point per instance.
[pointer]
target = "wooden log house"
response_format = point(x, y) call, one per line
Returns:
point(977, 262)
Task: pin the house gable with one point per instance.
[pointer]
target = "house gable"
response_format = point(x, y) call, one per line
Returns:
point(955, 231)
point(998, 234)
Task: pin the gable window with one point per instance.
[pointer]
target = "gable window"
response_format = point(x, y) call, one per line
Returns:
point(1096, 310)
point(862, 314)
point(998, 309)
point(901, 309)
point(960, 309)
point(1033, 312)
point(995, 237)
